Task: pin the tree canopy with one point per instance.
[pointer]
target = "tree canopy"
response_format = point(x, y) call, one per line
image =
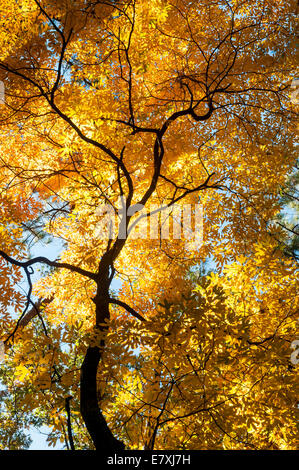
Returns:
point(121, 339)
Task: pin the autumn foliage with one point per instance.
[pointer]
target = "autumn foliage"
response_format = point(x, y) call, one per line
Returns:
point(148, 343)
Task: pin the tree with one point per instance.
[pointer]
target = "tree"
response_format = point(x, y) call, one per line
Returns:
point(148, 106)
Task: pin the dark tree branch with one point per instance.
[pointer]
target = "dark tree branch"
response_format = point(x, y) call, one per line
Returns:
point(69, 424)
point(127, 307)
point(54, 264)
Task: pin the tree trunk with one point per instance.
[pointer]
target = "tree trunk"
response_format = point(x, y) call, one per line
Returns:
point(95, 422)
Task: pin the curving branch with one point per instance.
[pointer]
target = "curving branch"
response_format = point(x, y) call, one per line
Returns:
point(55, 264)
point(69, 424)
point(127, 307)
